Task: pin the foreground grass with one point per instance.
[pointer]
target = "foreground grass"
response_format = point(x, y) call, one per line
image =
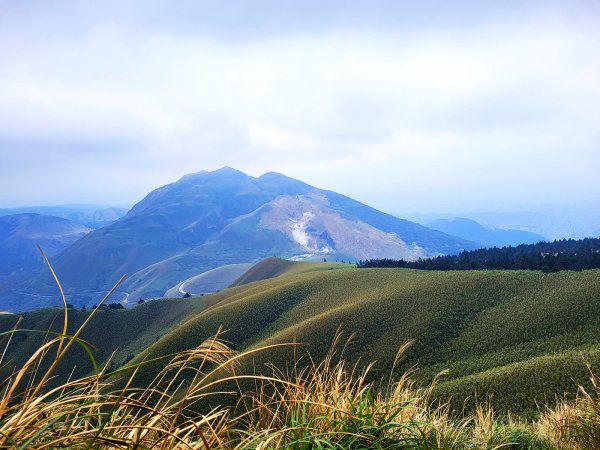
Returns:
point(327, 405)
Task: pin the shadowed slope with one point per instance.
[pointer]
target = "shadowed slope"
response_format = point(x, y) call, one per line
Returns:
point(123, 333)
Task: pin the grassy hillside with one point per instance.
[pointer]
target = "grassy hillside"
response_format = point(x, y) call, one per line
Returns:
point(328, 404)
point(210, 281)
point(122, 332)
point(522, 336)
point(273, 267)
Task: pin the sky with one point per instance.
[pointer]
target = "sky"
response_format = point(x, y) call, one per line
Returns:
point(408, 106)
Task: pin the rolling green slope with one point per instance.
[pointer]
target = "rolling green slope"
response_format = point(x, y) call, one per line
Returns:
point(210, 281)
point(122, 332)
point(273, 267)
point(521, 336)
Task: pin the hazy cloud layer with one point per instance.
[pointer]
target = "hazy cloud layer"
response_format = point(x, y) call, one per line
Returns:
point(445, 106)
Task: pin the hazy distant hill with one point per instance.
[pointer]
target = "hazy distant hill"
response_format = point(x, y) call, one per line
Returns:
point(209, 219)
point(554, 224)
point(19, 234)
point(473, 231)
point(93, 216)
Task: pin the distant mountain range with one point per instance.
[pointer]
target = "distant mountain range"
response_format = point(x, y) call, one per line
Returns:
point(554, 223)
point(209, 219)
point(485, 237)
point(93, 216)
point(20, 234)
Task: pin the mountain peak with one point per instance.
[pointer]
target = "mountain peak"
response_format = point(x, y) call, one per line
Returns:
point(225, 171)
point(228, 170)
point(283, 184)
point(209, 219)
point(268, 175)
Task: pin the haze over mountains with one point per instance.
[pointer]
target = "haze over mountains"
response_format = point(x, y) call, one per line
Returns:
point(209, 219)
point(93, 216)
point(558, 222)
point(20, 234)
point(473, 231)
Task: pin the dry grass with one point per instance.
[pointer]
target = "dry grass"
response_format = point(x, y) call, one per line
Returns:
point(575, 425)
point(331, 405)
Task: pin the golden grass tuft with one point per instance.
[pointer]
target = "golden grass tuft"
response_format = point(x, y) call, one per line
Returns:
point(574, 425)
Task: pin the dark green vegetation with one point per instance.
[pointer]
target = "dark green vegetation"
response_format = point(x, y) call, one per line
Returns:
point(209, 219)
point(567, 254)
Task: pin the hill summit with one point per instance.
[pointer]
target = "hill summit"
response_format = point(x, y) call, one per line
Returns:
point(208, 219)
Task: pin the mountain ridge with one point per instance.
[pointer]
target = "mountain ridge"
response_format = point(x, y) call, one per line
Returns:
point(208, 219)
point(93, 216)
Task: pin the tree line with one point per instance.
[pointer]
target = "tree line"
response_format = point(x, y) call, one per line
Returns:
point(565, 254)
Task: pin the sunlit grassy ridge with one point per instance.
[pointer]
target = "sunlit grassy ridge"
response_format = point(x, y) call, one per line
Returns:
point(490, 329)
point(122, 332)
point(274, 267)
point(496, 332)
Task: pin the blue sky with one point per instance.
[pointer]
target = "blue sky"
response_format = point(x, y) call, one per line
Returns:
point(408, 106)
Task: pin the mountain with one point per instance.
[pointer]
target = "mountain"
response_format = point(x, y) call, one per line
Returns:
point(209, 219)
point(20, 234)
point(93, 216)
point(473, 231)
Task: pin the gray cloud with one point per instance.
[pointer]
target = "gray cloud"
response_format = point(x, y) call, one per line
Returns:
point(435, 106)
